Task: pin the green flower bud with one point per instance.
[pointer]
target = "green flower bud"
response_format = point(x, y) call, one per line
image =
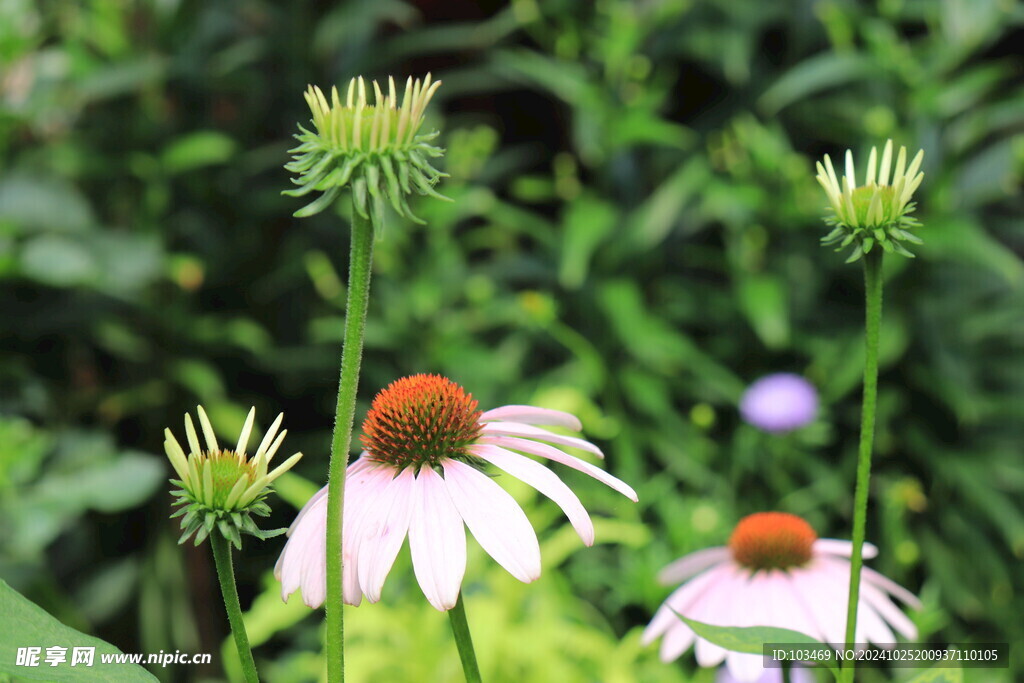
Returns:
point(220, 490)
point(877, 212)
point(375, 149)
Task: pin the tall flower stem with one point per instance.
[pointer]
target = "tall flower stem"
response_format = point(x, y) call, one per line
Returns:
point(226, 575)
point(360, 260)
point(873, 319)
point(460, 629)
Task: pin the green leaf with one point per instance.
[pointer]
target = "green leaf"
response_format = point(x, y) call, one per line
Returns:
point(58, 261)
point(202, 148)
point(25, 624)
point(763, 300)
point(44, 203)
point(751, 639)
point(588, 222)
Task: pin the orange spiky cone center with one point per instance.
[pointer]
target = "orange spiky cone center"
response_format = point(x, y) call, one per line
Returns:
point(421, 420)
point(772, 540)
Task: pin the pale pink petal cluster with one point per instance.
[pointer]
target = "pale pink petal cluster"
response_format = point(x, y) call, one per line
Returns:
point(384, 504)
point(810, 599)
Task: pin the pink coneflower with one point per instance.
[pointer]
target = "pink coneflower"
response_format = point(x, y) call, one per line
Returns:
point(774, 572)
point(422, 474)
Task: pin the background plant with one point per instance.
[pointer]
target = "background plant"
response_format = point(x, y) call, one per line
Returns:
point(633, 239)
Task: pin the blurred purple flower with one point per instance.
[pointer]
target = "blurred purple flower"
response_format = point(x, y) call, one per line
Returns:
point(780, 402)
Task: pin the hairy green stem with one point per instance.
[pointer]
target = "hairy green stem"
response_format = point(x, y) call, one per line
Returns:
point(873, 319)
point(226, 574)
point(460, 629)
point(360, 260)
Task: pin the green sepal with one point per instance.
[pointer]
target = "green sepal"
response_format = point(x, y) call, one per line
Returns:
point(318, 204)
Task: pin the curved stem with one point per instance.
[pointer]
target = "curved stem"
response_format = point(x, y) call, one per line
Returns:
point(226, 575)
point(360, 260)
point(460, 629)
point(873, 319)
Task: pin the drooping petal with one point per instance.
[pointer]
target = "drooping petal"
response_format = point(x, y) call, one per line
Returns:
point(680, 601)
point(799, 601)
point(531, 432)
point(871, 627)
point(877, 599)
point(786, 608)
point(750, 608)
point(437, 541)
point(354, 467)
point(551, 453)
point(363, 493)
point(692, 564)
point(302, 563)
point(833, 546)
point(545, 481)
point(304, 549)
point(532, 416)
point(820, 585)
point(383, 535)
point(677, 640)
point(885, 583)
point(496, 520)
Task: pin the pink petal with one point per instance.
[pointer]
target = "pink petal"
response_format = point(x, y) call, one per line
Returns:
point(786, 608)
point(716, 606)
point(301, 563)
point(751, 606)
point(384, 533)
point(823, 590)
point(356, 466)
point(887, 610)
point(708, 654)
point(551, 453)
point(545, 481)
point(533, 416)
point(677, 640)
point(692, 564)
point(832, 546)
point(680, 601)
point(746, 668)
point(799, 601)
point(363, 491)
point(305, 508)
point(888, 584)
point(496, 520)
point(870, 626)
point(437, 541)
point(517, 429)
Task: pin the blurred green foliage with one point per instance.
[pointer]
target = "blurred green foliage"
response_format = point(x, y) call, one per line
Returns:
point(634, 239)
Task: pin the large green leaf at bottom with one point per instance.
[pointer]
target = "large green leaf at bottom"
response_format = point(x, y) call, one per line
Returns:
point(25, 624)
point(751, 639)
